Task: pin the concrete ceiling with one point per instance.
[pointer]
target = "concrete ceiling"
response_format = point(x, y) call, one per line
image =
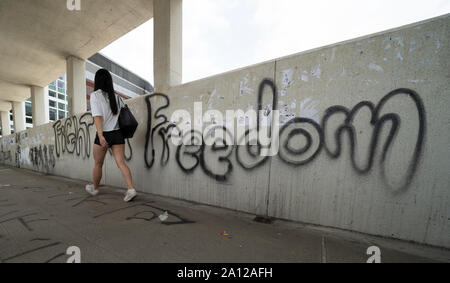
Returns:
point(36, 37)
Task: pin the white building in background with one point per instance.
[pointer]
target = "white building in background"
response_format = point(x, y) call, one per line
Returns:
point(126, 84)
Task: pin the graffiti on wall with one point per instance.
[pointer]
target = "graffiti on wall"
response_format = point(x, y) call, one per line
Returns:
point(5, 156)
point(216, 156)
point(327, 136)
point(335, 132)
point(391, 121)
point(43, 157)
point(162, 128)
point(72, 135)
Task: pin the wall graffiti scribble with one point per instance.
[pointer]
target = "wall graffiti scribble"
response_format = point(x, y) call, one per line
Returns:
point(128, 153)
point(43, 157)
point(287, 152)
point(378, 122)
point(162, 131)
point(5, 155)
point(253, 147)
point(195, 153)
point(301, 139)
point(203, 155)
point(74, 136)
point(130, 150)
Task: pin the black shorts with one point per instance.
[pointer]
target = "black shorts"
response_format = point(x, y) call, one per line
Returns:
point(112, 138)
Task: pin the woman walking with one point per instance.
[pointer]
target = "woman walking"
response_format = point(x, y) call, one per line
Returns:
point(105, 110)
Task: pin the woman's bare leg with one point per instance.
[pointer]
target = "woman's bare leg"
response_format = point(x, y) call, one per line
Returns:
point(99, 158)
point(119, 156)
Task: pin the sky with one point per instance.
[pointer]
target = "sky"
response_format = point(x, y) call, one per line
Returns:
point(223, 35)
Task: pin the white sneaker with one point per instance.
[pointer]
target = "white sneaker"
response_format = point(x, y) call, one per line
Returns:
point(91, 190)
point(130, 195)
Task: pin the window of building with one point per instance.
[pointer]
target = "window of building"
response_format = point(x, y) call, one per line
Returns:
point(52, 115)
point(58, 99)
point(28, 109)
point(62, 86)
point(28, 113)
point(61, 114)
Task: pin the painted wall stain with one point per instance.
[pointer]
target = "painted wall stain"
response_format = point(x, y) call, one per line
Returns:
point(316, 72)
point(375, 67)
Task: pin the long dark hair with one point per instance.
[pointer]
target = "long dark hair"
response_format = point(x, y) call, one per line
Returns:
point(103, 81)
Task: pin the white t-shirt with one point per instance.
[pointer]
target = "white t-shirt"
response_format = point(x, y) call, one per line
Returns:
point(100, 108)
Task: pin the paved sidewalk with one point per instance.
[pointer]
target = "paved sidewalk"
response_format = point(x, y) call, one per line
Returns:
point(41, 216)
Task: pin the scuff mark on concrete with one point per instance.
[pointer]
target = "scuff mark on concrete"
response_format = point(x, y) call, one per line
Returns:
point(211, 99)
point(399, 41)
point(308, 109)
point(371, 82)
point(243, 86)
point(294, 104)
point(412, 45)
point(375, 67)
point(25, 156)
point(438, 44)
point(286, 82)
point(333, 54)
point(416, 81)
point(317, 72)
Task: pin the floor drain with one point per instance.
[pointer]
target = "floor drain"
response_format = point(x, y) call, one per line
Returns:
point(264, 219)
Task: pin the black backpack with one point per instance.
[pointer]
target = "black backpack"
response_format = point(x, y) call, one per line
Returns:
point(127, 123)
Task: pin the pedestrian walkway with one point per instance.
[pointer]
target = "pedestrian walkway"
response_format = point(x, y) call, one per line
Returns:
point(42, 216)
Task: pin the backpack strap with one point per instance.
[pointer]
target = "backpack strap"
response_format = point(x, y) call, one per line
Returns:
point(120, 108)
point(121, 100)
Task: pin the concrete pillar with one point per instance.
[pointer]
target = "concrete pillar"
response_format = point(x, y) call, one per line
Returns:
point(39, 99)
point(19, 116)
point(76, 85)
point(167, 57)
point(6, 123)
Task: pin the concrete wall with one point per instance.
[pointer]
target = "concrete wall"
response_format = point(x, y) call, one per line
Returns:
point(375, 110)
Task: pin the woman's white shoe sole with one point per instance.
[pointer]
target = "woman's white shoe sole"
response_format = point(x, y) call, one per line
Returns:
point(132, 198)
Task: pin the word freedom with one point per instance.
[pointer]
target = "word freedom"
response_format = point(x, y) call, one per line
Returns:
point(262, 127)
